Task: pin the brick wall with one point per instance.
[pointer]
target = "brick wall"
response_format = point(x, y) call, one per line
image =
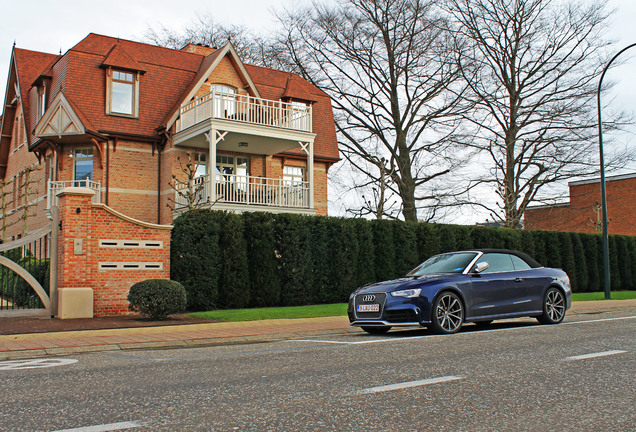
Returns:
point(582, 213)
point(105, 263)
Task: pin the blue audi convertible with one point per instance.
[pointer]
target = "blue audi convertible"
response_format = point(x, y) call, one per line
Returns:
point(447, 290)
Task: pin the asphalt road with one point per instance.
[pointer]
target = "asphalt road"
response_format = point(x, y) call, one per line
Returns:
point(521, 376)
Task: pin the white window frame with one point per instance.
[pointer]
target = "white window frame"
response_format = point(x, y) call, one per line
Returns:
point(291, 175)
point(134, 83)
point(225, 102)
point(41, 101)
point(81, 150)
point(201, 164)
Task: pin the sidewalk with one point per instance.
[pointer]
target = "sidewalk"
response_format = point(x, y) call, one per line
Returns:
point(18, 346)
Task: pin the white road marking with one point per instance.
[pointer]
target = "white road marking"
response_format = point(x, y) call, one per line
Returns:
point(35, 363)
point(103, 427)
point(594, 355)
point(360, 342)
point(401, 339)
point(599, 320)
point(409, 384)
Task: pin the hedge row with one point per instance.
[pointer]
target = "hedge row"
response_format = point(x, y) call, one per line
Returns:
point(227, 260)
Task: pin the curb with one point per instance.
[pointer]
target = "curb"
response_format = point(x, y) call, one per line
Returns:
point(188, 343)
point(202, 335)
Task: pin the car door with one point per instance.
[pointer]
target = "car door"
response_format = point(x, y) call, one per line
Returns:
point(498, 289)
point(531, 297)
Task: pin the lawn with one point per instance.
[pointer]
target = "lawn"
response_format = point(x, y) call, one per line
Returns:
point(340, 309)
point(616, 295)
point(313, 311)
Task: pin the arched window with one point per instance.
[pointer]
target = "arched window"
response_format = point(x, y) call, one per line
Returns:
point(224, 100)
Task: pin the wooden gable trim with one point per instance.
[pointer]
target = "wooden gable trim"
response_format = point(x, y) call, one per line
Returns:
point(60, 119)
point(8, 115)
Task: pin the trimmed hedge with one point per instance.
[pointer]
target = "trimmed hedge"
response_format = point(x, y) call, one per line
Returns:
point(227, 260)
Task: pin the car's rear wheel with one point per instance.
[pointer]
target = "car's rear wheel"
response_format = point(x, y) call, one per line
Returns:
point(448, 313)
point(376, 329)
point(553, 307)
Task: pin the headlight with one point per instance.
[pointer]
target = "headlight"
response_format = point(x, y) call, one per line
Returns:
point(409, 293)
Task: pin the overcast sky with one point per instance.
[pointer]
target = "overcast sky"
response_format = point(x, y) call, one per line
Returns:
point(54, 26)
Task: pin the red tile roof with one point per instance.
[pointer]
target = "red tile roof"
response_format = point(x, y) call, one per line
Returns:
point(169, 76)
point(118, 58)
point(30, 65)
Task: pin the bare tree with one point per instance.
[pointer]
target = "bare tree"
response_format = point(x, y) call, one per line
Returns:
point(532, 67)
point(191, 190)
point(387, 66)
point(26, 192)
point(204, 30)
point(5, 201)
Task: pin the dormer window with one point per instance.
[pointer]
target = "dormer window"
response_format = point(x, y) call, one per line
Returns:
point(41, 101)
point(122, 93)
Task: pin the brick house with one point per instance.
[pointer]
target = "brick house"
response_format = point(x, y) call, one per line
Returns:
point(122, 117)
point(583, 213)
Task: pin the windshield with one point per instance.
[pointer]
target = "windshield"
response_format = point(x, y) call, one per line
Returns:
point(445, 263)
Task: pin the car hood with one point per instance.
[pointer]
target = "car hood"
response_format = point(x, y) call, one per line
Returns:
point(402, 283)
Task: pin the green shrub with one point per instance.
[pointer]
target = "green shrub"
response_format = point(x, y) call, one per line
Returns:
point(157, 298)
point(292, 240)
point(15, 288)
point(624, 263)
point(428, 241)
point(261, 259)
point(581, 273)
point(448, 241)
point(566, 251)
point(593, 263)
point(482, 237)
point(384, 246)
point(234, 279)
point(406, 253)
point(195, 257)
point(365, 261)
point(322, 246)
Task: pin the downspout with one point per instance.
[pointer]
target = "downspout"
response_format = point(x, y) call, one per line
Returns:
point(107, 170)
point(159, 147)
point(165, 138)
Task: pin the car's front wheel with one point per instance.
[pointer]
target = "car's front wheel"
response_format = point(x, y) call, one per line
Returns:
point(376, 329)
point(553, 307)
point(448, 313)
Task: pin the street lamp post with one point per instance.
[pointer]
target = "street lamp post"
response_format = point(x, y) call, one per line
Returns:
point(606, 264)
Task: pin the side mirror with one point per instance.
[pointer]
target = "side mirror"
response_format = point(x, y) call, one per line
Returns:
point(480, 267)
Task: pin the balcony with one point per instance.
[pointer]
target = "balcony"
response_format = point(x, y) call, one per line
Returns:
point(55, 186)
point(245, 109)
point(244, 192)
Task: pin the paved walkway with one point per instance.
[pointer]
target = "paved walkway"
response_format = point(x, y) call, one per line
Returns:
point(17, 346)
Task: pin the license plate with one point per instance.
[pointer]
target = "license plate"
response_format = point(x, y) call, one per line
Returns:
point(369, 308)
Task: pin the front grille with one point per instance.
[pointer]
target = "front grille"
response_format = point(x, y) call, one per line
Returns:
point(365, 299)
point(401, 316)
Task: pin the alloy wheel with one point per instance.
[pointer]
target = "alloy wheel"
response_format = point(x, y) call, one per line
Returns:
point(555, 305)
point(449, 313)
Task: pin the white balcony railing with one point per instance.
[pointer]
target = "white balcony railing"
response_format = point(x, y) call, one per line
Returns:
point(244, 189)
point(247, 109)
point(55, 186)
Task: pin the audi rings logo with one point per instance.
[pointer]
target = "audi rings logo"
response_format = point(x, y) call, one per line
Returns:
point(368, 298)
